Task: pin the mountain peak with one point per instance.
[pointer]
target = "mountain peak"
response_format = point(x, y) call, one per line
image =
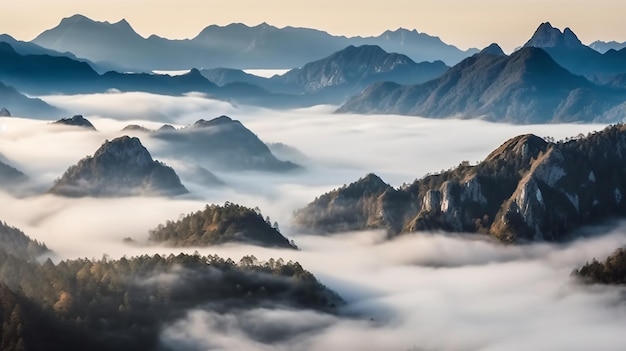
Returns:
point(547, 36)
point(120, 167)
point(493, 49)
point(221, 120)
point(78, 121)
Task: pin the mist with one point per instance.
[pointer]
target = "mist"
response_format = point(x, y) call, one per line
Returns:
point(426, 291)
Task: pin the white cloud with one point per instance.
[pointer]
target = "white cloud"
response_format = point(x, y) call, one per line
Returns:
point(431, 292)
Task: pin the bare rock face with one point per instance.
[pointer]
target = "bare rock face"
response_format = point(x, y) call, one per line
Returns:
point(526, 190)
point(121, 167)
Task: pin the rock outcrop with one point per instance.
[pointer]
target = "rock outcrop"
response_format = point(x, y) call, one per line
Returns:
point(526, 190)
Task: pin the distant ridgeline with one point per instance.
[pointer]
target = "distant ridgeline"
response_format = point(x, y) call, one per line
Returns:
point(125, 304)
point(528, 189)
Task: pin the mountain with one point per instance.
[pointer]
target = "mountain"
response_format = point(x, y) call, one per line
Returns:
point(493, 49)
point(566, 49)
point(603, 46)
point(125, 304)
point(526, 190)
point(21, 105)
point(526, 87)
point(76, 121)
point(217, 225)
point(336, 77)
point(10, 178)
point(221, 143)
point(13, 241)
point(612, 271)
point(26, 48)
point(120, 167)
point(4, 112)
point(235, 45)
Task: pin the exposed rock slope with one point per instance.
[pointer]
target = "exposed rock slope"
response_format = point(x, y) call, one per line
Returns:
point(526, 190)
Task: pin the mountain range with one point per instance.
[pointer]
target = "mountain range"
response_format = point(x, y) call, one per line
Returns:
point(235, 45)
point(603, 46)
point(22, 105)
point(526, 87)
point(526, 190)
point(120, 167)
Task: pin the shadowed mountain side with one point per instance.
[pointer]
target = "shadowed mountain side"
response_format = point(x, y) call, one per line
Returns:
point(526, 190)
point(21, 105)
point(221, 143)
point(526, 87)
point(121, 167)
point(76, 121)
point(217, 225)
point(235, 45)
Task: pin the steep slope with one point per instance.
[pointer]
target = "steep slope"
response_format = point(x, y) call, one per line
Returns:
point(10, 178)
point(76, 121)
point(566, 49)
point(21, 105)
point(221, 143)
point(13, 241)
point(526, 87)
point(120, 167)
point(217, 225)
point(526, 190)
point(235, 45)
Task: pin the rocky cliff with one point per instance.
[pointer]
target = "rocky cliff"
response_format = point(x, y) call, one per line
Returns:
point(526, 190)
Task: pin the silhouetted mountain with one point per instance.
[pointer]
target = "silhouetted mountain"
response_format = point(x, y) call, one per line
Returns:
point(121, 167)
point(526, 190)
point(566, 49)
point(26, 48)
point(217, 225)
point(136, 128)
point(493, 49)
point(526, 87)
point(221, 143)
point(603, 46)
point(224, 76)
point(21, 105)
point(4, 112)
point(235, 45)
point(76, 121)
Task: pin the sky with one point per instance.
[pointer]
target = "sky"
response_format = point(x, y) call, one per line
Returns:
point(464, 23)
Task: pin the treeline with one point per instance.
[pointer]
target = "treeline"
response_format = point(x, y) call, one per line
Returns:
point(219, 225)
point(611, 271)
point(123, 304)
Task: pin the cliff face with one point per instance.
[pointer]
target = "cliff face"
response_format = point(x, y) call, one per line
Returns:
point(526, 190)
point(121, 167)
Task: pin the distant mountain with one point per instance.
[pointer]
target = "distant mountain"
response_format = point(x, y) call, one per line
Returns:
point(26, 48)
point(10, 178)
point(4, 112)
point(526, 190)
point(217, 225)
point(566, 49)
point(21, 105)
point(76, 121)
point(526, 87)
point(120, 167)
point(235, 45)
point(221, 143)
point(603, 46)
point(336, 77)
point(493, 49)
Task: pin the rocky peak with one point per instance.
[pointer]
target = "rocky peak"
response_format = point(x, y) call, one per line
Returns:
point(77, 121)
point(166, 128)
point(547, 36)
point(523, 148)
point(124, 150)
point(493, 49)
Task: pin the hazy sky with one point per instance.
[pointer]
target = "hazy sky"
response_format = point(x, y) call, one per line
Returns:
point(465, 23)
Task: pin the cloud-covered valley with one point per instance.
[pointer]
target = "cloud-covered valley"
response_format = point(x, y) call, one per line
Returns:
point(427, 291)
